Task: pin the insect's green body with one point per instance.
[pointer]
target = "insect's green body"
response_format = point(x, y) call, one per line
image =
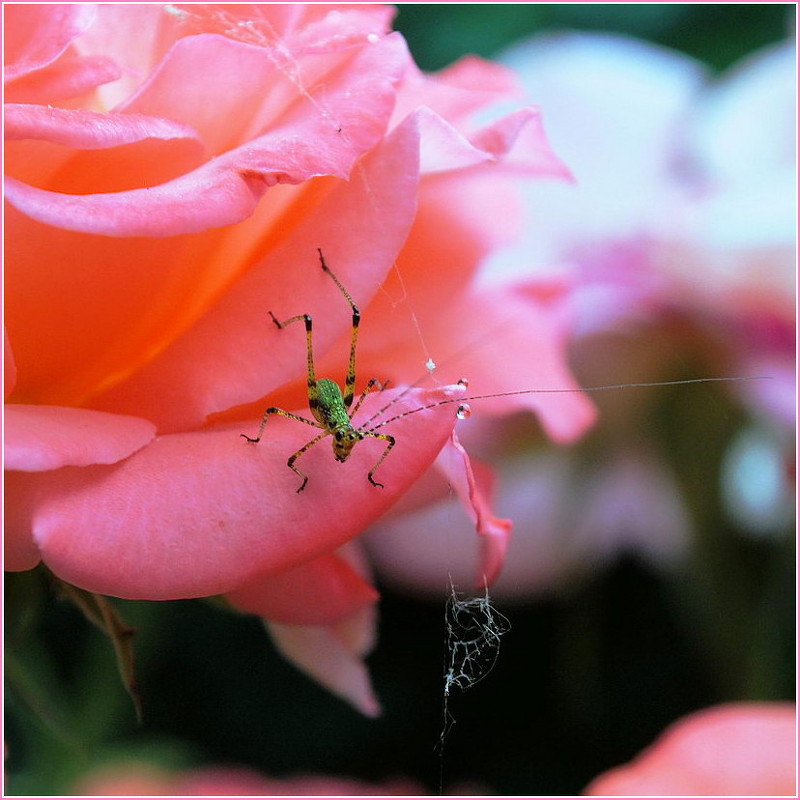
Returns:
point(330, 410)
point(329, 407)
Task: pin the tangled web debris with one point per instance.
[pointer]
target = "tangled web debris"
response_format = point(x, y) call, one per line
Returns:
point(473, 627)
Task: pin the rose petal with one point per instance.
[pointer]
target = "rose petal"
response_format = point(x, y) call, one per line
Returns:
point(9, 365)
point(199, 514)
point(496, 532)
point(327, 655)
point(359, 226)
point(521, 133)
point(19, 550)
point(508, 341)
point(321, 592)
point(35, 35)
point(48, 437)
point(123, 323)
point(340, 27)
point(66, 79)
point(87, 129)
point(226, 189)
point(461, 92)
point(136, 36)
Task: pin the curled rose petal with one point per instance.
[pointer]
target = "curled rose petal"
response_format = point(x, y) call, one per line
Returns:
point(320, 592)
point(519, 134)
point(63, 80)
point(48, 437)
point(496, 532)
point(87, 129)
point(332, 656)
point(199, 514)
point(36, 34)
point(226, 190)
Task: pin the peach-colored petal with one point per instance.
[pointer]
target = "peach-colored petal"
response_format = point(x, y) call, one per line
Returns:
point(125, 321)
point(520, 143)
point(461, 91)
point(496, 532)
point(734, 750)
point(198, 514)
point(37, 34)
point(19, 550)
point(87, 129)
point(340, 27)
point(9, 365)
point(519, 135)
point(65, 79)
point(533, 348)
point(48, 437)
point(321, 592)
point(226, 189)
point(359, 226)
point(136, 36)
point(501, 340)
point(328, 656)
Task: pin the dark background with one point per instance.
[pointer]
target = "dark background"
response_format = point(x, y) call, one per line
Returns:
point(586, 677)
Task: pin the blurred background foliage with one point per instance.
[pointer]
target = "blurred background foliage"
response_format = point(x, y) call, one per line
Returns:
point(719, 34)
point(587, 677)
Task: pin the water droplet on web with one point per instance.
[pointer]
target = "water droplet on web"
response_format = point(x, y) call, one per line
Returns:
point(464, 411)
point(430, 365)
point(463, 382)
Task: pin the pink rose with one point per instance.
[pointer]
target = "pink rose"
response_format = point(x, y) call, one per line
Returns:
point(171, 173)
point(740, 749)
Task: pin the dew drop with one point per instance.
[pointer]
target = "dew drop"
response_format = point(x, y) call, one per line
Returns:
point(463, 382)
point(464, 411)
point(372, 38)
point(430, 365)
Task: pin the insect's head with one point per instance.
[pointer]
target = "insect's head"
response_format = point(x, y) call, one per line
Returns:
point(344, 440)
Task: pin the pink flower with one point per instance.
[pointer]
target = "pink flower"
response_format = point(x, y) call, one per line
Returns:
point(662, 159)
point(171, 173)
point(740, 749)
point(703, 215)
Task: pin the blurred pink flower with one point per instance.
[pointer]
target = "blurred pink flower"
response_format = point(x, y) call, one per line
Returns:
point(685, 199)
point(735, 750)
point(682, 215)
point(171, 171)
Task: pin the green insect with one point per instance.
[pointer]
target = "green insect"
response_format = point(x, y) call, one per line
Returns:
point(331, 407)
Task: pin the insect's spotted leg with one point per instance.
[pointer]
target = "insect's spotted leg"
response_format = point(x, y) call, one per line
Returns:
point(350, 380)
point(267, 414)
point(295, 456)
point(371, 384)
point(386, 438)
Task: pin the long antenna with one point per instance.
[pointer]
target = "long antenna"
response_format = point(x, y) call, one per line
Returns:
point(608, 387)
